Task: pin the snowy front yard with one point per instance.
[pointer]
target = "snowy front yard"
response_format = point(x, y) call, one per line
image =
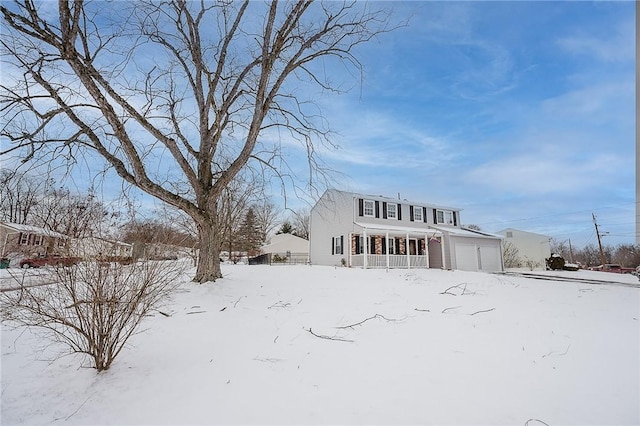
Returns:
point(320, 345)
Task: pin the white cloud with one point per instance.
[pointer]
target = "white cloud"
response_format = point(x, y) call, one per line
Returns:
point(610, 47)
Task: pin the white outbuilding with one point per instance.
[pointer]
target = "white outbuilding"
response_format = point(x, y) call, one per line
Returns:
point(532, 248)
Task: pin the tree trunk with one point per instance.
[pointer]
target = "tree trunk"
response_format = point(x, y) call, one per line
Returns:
point(208, 268)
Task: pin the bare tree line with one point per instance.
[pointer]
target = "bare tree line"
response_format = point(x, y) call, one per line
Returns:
point(627, 255)
point(42, 202)
point(27, 200)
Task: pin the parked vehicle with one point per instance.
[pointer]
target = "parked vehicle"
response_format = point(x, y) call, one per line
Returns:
point(36, 262)
point(613, 267)
point(557, 263)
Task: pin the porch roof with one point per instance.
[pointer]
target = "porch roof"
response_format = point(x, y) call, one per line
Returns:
point(463, 232)
point(399, 229)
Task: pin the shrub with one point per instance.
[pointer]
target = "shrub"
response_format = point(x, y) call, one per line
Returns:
point(93, 308)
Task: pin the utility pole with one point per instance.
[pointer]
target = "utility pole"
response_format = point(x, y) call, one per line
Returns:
point(570, 252)
point(602, 261)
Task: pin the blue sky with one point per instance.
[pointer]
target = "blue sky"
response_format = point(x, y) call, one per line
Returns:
point(520, 113)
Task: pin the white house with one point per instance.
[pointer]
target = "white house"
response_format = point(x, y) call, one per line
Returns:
point(372, 231)
point(94, 247)
point(532, 248)
point(286, 243)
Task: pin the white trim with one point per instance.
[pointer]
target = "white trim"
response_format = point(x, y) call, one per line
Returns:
point(444, 213)
point(401, 230)
point(395, 211)
point(417, 210)
point(364, 208)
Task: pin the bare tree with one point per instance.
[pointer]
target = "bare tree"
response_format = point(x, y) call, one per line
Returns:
point(300, 222)
point(511, 255)
point(74, 215)
point(93, 309)
point(20, 195)
point(267, 215)
point(177, 97)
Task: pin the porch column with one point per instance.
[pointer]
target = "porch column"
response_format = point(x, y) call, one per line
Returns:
point(386, 244)
point(426, 249)
point(365, 244)
point(444, 259)
point(408, 251)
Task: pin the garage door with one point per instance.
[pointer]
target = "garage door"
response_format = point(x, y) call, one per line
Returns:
point(490, 259)
point(467, 257)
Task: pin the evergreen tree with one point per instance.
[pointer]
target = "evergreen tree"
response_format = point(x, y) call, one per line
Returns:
point(249, 235)
point(286, 228)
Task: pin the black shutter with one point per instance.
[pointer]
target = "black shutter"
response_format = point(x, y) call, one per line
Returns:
point(424, 214)
point(341, 244)
point(455, 219)
point(384, 209)
point(357, 243)
point(435, 217)
point(397, 246)
point(360, 207)
point(333, 245)
point(372, 247)
point(399, 212)
point(377, 209)
point(411, 213)
point(384, 245)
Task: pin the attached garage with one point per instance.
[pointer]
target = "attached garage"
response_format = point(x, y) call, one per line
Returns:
point(472, 250)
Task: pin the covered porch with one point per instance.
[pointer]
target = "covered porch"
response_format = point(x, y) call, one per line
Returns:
point(396, 248)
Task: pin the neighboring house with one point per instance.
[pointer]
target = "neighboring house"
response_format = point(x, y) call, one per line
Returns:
point(532, 248)
point(20, 240)
point(378, 232)
point(94, 247)
point(287, 247)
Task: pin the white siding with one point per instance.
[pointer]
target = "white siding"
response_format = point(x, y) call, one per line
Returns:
point(331, 217)
point(533, 247)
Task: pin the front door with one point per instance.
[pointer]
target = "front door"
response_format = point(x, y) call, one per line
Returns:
point(435, 253)
point(413, 244)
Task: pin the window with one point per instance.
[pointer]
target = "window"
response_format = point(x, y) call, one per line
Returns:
point(391, 211)
point(24, 239)
point(417, 214)
point(369, 208)
point(337, 245)
point(37, 240)
point(445, 217)
point(391, 245)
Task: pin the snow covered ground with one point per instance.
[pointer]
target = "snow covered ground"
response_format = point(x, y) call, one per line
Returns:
point(323, 345)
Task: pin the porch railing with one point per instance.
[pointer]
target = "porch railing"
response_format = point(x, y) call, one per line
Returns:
point(396, 261)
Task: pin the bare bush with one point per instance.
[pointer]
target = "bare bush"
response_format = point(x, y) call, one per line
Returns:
point(93, 308)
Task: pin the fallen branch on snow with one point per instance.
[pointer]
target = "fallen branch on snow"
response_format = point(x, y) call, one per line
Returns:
point(486, 310)
point(452, 307)
point(528, 423)
point(365, 320)
point(555, 353)
point(322, 336)
point(280, 304)
point(458, 286)
point(422, 310)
